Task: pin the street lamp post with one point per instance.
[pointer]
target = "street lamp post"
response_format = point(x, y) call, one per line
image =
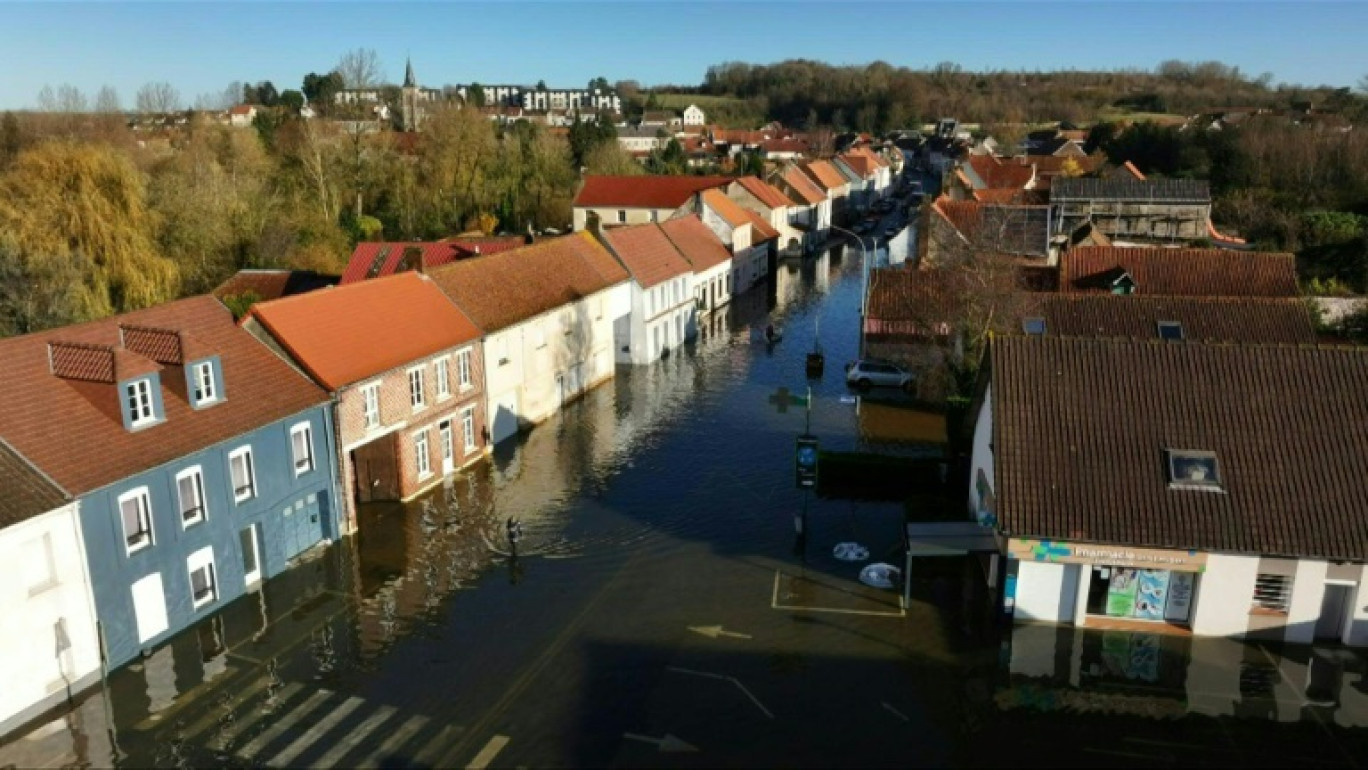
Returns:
point(864, 278)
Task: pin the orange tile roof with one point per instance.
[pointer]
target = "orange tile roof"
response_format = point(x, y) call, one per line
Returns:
point(997, 174)
point(807, 190)
point(764, 192)
point(696, 241)
point(859, 163)
point(648, 192)
point(824, 174)
point(646, 251)
point(72, 428)
point(350, 333)
point(761, 229)
point(507, 288)
point(725, 207)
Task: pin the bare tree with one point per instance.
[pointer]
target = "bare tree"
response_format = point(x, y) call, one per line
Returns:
point(360, 68)
point(47, 99)
point(231, 96)
point(107, 101)
point(159, 97)
point(70, 99)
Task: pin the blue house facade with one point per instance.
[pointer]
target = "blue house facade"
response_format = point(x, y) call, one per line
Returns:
point(211, 537)
point(200, 462)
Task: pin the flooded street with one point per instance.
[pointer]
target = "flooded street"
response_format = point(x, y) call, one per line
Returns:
point(661, 611)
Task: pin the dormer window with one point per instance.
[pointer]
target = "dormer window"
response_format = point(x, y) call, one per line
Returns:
point(139, 396)
point(1194, 469)
point(205, 389)
point(1170, 331)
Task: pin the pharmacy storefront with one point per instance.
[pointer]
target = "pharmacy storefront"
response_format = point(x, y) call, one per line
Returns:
point(1061, 582)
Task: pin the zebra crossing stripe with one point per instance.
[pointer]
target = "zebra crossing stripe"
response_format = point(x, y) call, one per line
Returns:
point(401, 736)
point(311, 736)
point(215, 716)
point(278, 729)
point(226, 738)
point(354, 738)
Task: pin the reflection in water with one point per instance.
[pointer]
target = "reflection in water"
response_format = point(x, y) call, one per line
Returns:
point(1067, 669)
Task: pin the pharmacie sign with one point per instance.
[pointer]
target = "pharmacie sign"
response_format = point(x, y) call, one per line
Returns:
point(1060, 552)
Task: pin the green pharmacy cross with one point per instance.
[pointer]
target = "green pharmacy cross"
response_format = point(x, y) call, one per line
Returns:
point(783, 399)
point(1047, 551)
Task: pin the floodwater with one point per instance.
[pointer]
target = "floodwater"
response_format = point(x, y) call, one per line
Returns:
point(674, 601)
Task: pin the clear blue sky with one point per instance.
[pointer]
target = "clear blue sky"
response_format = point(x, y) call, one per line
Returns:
point(201, 47)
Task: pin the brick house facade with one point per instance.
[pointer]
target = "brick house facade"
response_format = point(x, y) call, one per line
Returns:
point(399, 423)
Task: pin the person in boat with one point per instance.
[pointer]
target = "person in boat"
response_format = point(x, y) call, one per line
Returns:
point(769, 333)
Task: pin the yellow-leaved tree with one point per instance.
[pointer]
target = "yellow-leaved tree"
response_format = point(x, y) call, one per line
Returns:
point(79, 210)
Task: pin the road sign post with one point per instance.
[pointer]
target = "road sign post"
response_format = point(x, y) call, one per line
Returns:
point(807, 461)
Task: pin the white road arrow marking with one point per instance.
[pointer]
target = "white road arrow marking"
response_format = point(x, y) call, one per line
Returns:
point(732, 679)
point(712, 632)
point(668, 743)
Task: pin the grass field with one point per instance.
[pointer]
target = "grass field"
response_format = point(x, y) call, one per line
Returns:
point(726, 110)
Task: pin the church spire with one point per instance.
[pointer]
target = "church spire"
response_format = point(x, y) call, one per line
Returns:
point(409, 80)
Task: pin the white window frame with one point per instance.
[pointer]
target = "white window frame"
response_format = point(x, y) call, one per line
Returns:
point(198, 473)
point(144, 515)
point(464, 370)
point(441, 369)
point(205, 386)
point(421, 454)
point(468, 427)
point(370, 397)
point(238, 495)
point(310, 463)
point(202, 559)
point(622, 216)
point(417, 389)
point(141, 409)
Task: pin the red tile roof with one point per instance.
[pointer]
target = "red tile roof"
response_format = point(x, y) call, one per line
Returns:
point(649, 255)
point(374, 259)
point(725, 207)
point(807, 190)
point(824, 174)
point(1180, 272)
point(696, 241)
point(273, 284)
point(512, 286)
point(645, 192)
point(350, 333)
point(72, 429)
point(764, 192)
point(1208, 319)
point(1081, 428)
point(795, 146)
point(760, 229)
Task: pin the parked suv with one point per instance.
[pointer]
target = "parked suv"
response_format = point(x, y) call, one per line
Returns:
point(867, 373)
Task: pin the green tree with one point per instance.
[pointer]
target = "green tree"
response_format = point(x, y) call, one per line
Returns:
point(475, 95)
point(320, 90)
point(292, 100)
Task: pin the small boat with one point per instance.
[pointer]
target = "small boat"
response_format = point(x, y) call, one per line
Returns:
point(816, 361)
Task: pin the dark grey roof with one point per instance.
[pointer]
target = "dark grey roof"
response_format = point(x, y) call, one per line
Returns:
point(1136, 190)
point(24, 492)
point(1081, 427)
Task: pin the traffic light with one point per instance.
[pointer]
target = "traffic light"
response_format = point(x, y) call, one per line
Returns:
point(807, 461)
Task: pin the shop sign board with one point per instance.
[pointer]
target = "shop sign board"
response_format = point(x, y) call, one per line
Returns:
point(1060, 552)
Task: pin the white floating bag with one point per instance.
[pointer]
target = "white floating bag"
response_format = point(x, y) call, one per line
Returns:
point(850, 552)
point(880, 575)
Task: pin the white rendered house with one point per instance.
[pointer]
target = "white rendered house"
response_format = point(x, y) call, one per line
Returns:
point(548, 311)
point(663, 309)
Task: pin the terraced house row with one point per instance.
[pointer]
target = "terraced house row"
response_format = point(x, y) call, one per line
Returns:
point(157, 465)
